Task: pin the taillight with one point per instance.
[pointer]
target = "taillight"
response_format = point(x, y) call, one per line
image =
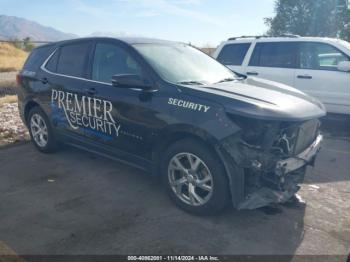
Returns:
point(18, 79)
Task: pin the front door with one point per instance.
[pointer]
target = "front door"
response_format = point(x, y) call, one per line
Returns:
point(318, 76)
point(124, 117)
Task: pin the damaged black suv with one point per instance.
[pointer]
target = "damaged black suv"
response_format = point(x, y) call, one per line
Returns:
point(212, 136)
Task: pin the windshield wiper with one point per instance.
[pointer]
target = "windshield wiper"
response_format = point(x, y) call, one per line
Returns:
point(191, 83)
point(226, 80)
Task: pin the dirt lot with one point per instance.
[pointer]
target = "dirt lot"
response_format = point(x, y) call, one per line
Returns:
point(77, 203)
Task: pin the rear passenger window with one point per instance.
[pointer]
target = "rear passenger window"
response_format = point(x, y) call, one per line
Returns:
point(73, 59)
point(233, 54)
point(282, 55)
point(110, 60)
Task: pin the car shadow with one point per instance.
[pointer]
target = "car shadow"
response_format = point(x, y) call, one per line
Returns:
point(162, 228)
point(336, 125)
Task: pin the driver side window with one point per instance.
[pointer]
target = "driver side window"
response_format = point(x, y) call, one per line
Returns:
point(110, 60)
point(319, 56)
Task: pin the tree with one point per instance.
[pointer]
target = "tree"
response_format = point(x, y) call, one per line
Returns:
point(325, 18)
point(345, 23)
point(17, 43)
point(28, 46)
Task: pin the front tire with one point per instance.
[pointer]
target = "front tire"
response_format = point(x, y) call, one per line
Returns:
point(40, 131)
point(195, 178)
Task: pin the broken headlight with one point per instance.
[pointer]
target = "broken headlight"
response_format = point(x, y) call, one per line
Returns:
point(293, 138)
point(275, 136)
point(256, 132)
point(286, 139)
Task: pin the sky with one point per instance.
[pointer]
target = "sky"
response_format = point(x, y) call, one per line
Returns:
point(201, 22)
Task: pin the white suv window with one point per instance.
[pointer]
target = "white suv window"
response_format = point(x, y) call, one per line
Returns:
point(319, 56)
point(233, 54)
point(274, 54)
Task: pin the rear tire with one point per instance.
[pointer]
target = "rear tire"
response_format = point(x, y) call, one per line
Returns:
point(195, 178)
point(40, 131)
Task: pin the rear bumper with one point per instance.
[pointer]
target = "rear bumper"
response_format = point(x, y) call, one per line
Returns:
point(307, 157)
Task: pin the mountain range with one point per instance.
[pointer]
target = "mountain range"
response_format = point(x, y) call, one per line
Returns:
point(12, 27)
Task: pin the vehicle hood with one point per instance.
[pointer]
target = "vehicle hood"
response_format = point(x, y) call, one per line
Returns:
point(262, 99)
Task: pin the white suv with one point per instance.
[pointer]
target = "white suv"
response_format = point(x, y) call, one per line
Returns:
point(319, 67)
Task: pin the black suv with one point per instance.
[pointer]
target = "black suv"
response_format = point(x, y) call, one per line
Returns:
point(214, 137)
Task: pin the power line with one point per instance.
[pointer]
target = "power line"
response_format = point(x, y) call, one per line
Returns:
point(30, 41)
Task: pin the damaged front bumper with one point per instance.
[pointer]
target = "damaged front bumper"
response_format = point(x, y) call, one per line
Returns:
point(291, 171)
point(274, 180)
point(294, 163)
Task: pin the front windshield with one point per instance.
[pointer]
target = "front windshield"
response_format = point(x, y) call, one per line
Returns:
point(181, 63)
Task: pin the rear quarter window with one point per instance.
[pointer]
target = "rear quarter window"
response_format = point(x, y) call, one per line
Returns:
point(37, 57)
point(52, 63)
point(233, 54)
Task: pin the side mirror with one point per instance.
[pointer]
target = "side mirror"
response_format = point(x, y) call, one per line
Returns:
point(130, 81)
point(344, 66)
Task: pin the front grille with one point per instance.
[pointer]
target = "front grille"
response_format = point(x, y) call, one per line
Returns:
point(307, 134)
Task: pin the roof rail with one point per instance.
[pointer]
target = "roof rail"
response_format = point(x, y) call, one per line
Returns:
point(288, 35)
point(263, 36)
point(246, 36)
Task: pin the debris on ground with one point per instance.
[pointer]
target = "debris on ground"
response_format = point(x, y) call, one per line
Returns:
point(314, 187)
point(11, 127)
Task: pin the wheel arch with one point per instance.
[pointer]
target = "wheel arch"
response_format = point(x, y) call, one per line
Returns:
point(29, 106)
point(234, 174)
point(167, 138)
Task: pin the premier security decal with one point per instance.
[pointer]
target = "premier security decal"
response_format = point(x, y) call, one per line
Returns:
point(86, 112)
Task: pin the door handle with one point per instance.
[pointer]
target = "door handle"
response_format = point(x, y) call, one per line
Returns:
point(90, 91)
point(44, 80)
point(252, 73)
point(304, 77)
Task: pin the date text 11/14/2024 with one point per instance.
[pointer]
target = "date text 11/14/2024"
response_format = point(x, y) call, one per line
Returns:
point(173, 258)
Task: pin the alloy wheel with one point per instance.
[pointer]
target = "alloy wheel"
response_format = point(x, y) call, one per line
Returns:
point(190, 179)
point(39, 130)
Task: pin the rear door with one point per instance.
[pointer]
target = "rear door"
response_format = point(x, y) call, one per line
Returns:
point(318, 75)
point(274, 61)
point(66, 70)
point(232, 55)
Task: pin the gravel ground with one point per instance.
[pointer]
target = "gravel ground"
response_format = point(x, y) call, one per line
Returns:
point(8, 85)
point(8, 76)
point(12, 128)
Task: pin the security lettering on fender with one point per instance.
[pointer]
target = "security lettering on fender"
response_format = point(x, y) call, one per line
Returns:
point(86, 112)
point(189, 105)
